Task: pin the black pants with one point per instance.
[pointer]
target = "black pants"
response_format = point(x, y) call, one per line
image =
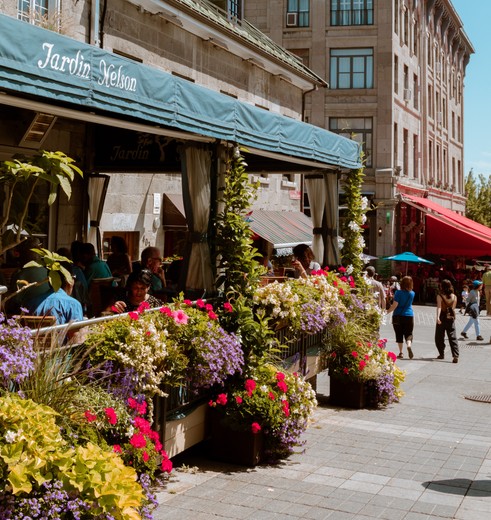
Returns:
point(403, 327)
point(447, 326)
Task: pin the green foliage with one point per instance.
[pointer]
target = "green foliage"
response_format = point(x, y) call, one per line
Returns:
point(478, 199)
point(33, 451)
point(20, 178)
point(52, 262)
point(357, 207)
point(239, 271)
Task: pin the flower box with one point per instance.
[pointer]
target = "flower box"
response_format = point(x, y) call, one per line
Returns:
point(181, 434)
point(349, 393)
point(232, 445)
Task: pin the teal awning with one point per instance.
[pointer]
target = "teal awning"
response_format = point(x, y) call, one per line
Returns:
point(39, 62)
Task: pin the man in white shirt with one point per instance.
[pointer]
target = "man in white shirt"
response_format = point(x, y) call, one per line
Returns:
point(377, 287)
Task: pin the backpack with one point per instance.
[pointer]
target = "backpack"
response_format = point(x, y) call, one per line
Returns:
point(448, 311)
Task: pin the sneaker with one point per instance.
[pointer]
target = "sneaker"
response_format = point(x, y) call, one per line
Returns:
point(479, 338)
point(464, 335)
point(441, 356)
point(401, 355)
point(410, 352)
point(455, 360)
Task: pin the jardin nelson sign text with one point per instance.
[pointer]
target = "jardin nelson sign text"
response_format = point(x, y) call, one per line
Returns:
point(111, 76)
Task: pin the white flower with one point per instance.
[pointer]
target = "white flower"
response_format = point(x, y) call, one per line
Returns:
point(349, 269)
point(354, 226)
point(11, 436)
point(264, 388)
point(363, 218)
point(364, 203)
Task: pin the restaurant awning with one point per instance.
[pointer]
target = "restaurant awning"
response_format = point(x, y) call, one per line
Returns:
point(449, 233)
point(283, 229)
point(173, 215)
point(42, 63)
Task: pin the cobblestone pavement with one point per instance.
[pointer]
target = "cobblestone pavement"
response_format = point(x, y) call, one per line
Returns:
point(427, 457)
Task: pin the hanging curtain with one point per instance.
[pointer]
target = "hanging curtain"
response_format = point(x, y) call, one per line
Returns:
point(196, 188)
point(316, 191)
point(97, 189)
point(331, 249)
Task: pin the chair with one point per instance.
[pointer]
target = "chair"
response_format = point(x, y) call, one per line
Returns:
point(101, 294)
point(48, 339)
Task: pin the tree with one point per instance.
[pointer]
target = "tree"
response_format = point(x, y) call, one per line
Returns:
point(478, 194)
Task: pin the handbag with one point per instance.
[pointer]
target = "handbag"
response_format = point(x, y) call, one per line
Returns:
point(472, 310)
point(449, 311)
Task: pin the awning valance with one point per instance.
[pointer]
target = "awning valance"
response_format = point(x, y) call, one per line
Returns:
point(449, 233)
point(283, 229)
point(35, 61)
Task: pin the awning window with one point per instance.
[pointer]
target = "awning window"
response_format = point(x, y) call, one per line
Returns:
point(42, 63)
point(283, 229)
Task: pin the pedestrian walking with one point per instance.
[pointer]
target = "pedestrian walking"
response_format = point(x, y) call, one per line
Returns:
point(473, 310)
point(376, 287)
point(464, 295)
point(486, 281)
point(403, 317)
point(446, 302)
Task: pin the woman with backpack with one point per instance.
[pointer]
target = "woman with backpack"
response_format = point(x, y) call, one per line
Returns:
point(446, 302)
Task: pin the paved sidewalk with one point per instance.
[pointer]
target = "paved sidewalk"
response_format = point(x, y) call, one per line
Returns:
point(427, 457)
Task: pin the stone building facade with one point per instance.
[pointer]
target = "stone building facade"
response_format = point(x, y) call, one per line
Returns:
point(396, 78)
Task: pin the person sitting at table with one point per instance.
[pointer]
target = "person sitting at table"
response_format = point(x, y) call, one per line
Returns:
point(61, 304)
point(137, 288)
point(303, 261)
point(151, 259)
point(94, 266)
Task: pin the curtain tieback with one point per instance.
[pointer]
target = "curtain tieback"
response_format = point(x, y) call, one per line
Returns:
point(317, 231)
point(197, 238)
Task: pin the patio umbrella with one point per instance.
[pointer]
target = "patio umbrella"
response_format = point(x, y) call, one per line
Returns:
point(408, 257)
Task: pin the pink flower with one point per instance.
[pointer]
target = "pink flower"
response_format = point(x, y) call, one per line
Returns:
point(145, 456)
point(212, 403)
point(341, 292)
point(280, 376)
point(187, 302)
point(138, 440)
point(286, 408)
point(212, 315)
point(140, 408)
point(250, 386)
point(238, 399)
point(117, 448)
point(142, 424)
point(166, 310)
point(143, 306)
point(354, 353)
point(342, 269)
point(166, 466)
point(112, 418)
point(208, 307)
point(200, 303)
point(344, 279)
point(392, 356)
point(222, 399)
point(91, 417)
point(271, 396)
point(367, 357)
point(180, 317)
point(255, 427)
point(352, 284)
point(282, 386)
point(362, 365)
point(133, 315)
point(228, 307)
point(132, 403)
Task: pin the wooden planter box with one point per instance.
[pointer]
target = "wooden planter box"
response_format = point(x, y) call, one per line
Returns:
point(347, 393)
point(181, 434)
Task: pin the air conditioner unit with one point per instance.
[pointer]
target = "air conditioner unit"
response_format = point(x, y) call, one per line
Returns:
point(407, 94)
point(291, 19)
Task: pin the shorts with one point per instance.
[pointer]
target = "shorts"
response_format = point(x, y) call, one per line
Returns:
point(403, 327)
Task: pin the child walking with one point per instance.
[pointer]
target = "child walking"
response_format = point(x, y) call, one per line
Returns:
point(464, 295)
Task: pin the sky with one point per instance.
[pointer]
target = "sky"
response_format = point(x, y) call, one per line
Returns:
point(477, 86)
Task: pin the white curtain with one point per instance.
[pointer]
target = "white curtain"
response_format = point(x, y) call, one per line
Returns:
point(97, 190)
point(331, 249)
point(316, 190)
point(198, 182)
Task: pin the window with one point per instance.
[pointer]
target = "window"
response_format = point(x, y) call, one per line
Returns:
point(37, 12)
point(303, 54)
point(396, 16)
point(351, 68)
point(298, 13)
point(351, 12)
point(415, 156)
point(232, 7)
point(416, 91)
point(396, 74)
point(358, 129)
point(405, 152)
point(396, 146)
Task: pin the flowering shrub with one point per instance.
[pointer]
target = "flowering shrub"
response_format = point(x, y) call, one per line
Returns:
point(16, 352)
point(278, 403)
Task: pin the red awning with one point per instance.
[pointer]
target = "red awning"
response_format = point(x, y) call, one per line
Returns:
point(445, 238)
point(463, 223)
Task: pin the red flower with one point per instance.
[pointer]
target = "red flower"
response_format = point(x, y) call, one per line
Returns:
point(271, 396)
point(211, 403)
point(166, 310)
point(208, 307)
point(228, 307)
point(342, 269)
point(238, 399)
point(255, 427)
point(352, 284)
point(346, 370)
point(166, 466)
point(335, 283)
point(212, 315)
point(282, 386)
point(138, 440)
point(280, 376)
point(187, 302)
point(344, 279)
point(200, 303)
point(362, 365)
point(222, 399)
point(112, 418)
point(117, 448)
point(333, 354)
point(341, 292)
point(354, 353)
point(133, 315)
point(145, 456)
point(148, 333)
point(91, 417)
point(391, 356)
point(367, 357)
point(250, 386)
point(142, 425)
point(286, 407)
point(143, 306)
